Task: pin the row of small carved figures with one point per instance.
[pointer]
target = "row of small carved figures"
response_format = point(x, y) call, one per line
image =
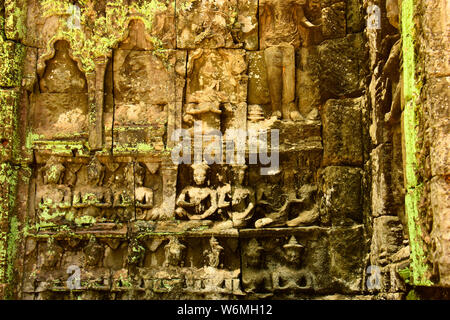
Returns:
point(230, 284)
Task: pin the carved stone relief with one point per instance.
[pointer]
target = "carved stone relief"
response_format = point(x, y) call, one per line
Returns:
point(61, 103)
point(114, 204)
point(148, 89)
point(217, 24)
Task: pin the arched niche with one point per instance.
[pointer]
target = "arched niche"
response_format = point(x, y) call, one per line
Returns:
point(136, 37)
point(60, 103)
point(146, 87)
point(59, 72)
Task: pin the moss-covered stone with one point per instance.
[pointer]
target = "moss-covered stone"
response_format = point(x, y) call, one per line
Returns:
point(420, 269)
point(11, 59)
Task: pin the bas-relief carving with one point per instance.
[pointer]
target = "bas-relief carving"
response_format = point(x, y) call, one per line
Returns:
point(288, 22)
point(221, 70)
point(197, 202)
point(148, 89)
point(242, 199)
point(277, 267)
point(57, 259)
point(290, 276)
point(53, 199)
point(231, 203)
point(285, 27)
point(217, 24)
point(105, 191)
point(255, 276)
point(148, 104)
point(173, 266)
point(287, 198)
point(162, 32)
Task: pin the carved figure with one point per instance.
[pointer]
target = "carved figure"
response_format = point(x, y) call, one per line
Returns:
point(197, 202)
point(223, 193)
point(143, 195)
point(122, 196)
point(213, 256)
point(52, 254)
point(62, 73)
point(281, 21)
point(53, 198)
point(93, 197)
point(305, 208)
point(256, 279)
point(174, 251)
point(289, 277)
point(93, 252)
point(389, 85)
point(243, 199)
point(206, 23)
point(205, 107)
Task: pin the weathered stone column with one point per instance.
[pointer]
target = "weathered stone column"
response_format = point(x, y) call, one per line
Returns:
point(426, 30)
point(12, 54)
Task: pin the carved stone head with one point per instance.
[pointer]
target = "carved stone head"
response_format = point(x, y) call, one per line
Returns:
point(53, 172)
point(222, 175)
point(200, 170)
point(293, 251)
point(174, 253)
point(239, 173)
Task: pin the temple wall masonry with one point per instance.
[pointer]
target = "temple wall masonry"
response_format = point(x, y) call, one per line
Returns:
point(94, 93)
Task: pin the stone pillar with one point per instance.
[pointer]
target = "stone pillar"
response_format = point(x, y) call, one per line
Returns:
point(430, 192)
point(12, 54)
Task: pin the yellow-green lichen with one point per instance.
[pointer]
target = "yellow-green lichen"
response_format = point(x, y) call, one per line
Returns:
point(98, 34)
point(419, 267)
point(9, 238)
point(15, 19)
point(11, 62)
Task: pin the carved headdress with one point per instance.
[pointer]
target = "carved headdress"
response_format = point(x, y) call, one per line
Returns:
point(293, 244)
point(203, 166)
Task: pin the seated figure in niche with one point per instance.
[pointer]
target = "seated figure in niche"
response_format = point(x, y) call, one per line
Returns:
point(290, 276)
point(93, 197)
point(121, 184)
point(175, 253)
point(62, 73)
point(197, 202)
point(53, 198)
point(123, 196)
point(277, 206)
point(243, 199)
point(144, 195)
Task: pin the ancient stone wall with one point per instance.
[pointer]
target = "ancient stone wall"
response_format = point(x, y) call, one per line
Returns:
point(94, 95)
